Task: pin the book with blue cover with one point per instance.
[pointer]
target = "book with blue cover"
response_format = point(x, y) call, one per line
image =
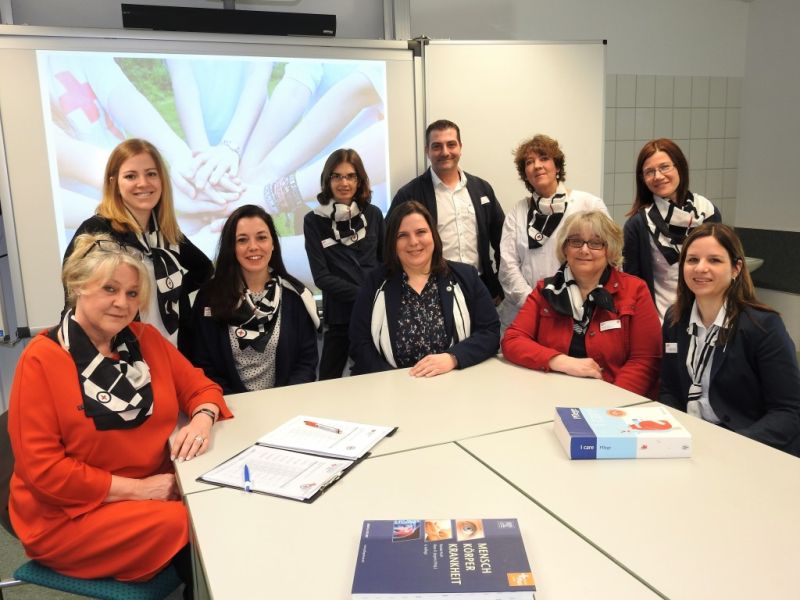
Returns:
point(442, 558)
point(633, 432)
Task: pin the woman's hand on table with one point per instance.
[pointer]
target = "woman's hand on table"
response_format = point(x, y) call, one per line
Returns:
point(578, 367)
point(434, 364)
point(192, 439)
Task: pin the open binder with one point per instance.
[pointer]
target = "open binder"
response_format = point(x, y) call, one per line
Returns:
point(299, 459)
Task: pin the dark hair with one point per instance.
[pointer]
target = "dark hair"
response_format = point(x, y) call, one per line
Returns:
point(390, 258)
point(543, 145)
point(441, 125)
point(225, 288)
point(740, 293)
point(363, 193)
point(644, 197)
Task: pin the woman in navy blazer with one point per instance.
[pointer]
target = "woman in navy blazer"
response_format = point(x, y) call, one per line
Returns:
point(728, 358)
point(419, 310)
point(255, 325)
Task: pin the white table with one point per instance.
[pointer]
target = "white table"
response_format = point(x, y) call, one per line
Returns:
point(722, 524)
point(256, 546)
point(492, 396)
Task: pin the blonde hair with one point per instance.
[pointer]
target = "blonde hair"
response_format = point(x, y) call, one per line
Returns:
point(601, 225)
point(87, 264)
point(112, 206)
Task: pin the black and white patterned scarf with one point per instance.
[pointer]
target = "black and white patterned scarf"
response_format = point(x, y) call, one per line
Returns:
point(563, 293)
point(168, 270)
point(116, 392)
point(544, 215)
point(348, 223)
point(697, 360)
point(670, 231)
point(254, 319)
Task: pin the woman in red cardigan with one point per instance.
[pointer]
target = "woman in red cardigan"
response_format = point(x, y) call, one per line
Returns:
point(590, 319)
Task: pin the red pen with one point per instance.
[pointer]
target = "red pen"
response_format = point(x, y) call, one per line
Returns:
point(323, 427)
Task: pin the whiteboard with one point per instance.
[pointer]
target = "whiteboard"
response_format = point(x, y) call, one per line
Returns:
point(501, 93)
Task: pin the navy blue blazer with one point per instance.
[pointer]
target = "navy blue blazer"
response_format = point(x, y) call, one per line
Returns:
point(488, 216)
point(637, 253)
point(296, 360)
point(484, 339)
point(754, 380)
point(339, 270)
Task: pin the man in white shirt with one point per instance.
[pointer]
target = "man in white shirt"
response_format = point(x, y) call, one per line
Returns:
point(466, 211)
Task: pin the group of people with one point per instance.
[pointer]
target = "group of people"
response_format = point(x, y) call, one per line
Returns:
point(664, 308)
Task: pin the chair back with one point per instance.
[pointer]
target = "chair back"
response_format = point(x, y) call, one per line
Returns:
point(6, 469)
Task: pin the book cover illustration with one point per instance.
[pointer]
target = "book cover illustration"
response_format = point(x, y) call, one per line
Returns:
point(633, 432)
point(442, 558)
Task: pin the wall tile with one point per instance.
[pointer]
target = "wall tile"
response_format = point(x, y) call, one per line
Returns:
point(717, 91)
point(663, 123)
point(713, 184)
point(732, 122)
point(645, 118)
point(626, 123)
point(609, 154)
point(622, 158)
point(697, 180)
point(699, 127)
point(683, 145)
point(681, 122)
point(731, 160)
point(611, 90)
point(608, 188)
point(611, 123)
point(716, 154)
point(697, 154)
point(624, 187)
point(664, 91)
point(683, 92)
point(716, 122)
point(626, 90)
point(645, 91)
point(734, 97)
point(618, 213)
point(729, 183)
point(700, 90)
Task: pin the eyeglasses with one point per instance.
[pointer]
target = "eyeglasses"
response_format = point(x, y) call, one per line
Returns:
point(113, 247)
point(349, 177)
point(663, 169)
point(574, 242)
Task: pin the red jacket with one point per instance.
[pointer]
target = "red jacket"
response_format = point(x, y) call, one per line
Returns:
point(630, 355)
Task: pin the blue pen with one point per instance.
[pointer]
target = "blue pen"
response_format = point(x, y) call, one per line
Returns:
point(247, 483)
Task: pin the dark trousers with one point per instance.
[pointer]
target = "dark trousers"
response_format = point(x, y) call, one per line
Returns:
point(335, 348)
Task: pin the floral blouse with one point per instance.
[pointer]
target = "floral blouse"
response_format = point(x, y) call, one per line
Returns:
point(421, 330)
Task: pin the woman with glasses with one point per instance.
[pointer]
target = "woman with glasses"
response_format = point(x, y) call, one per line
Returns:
point(662, 216)
point(93, 404)
point(344, 241)
point(527, 248)
point(137, 210)
point(589, 319)
point(728, 358)
point(256, 325)
point(419, 310)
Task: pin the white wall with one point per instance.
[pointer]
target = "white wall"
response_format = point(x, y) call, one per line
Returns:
point(660, 37)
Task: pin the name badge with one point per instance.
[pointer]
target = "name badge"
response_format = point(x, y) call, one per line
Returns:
point(613, 324)
point(485, 200)
point(671, 348)
point(206, 311)
point(327, 242)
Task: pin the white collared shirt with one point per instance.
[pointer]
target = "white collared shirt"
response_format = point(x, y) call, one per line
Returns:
point(706, 411)
point(457, 223)
point(665, 275)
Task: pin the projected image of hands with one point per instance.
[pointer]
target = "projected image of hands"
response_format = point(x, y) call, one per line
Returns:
point(234, 130)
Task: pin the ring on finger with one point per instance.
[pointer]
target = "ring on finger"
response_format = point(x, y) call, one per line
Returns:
point(199, 438)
